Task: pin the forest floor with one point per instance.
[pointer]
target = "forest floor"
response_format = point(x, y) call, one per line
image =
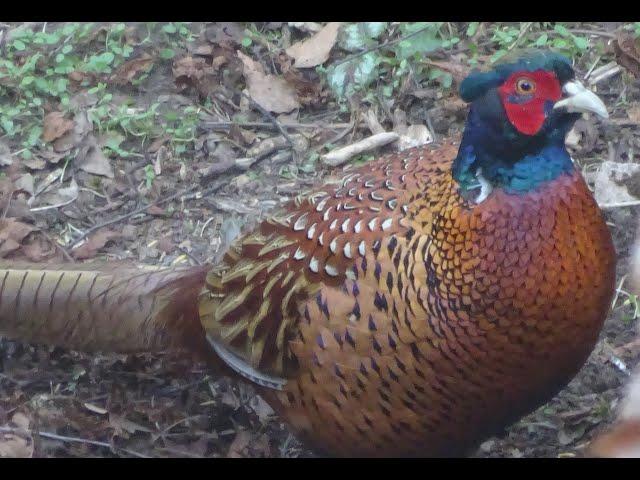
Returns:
point(140, 142)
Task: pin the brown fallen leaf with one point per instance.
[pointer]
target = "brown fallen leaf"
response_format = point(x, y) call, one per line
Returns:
point(239, 444)
point(18, 444)
point(128, 71)
point(627, 51)
point(55, 126)
point(633, 112)
point(225, 33)
point(12, 233)
point(91, 158)
point(315, 50)
point(194, 72)
point(458, 70)
point(122, 425)
point(269, 91)
point(94, 243)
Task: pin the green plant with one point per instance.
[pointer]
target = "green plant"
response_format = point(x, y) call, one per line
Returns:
point(149, 175)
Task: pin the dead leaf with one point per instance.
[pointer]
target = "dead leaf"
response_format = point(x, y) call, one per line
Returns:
point(19, 444)
point(225, 33)
point(459, 71)
point(634, 113)
point(34, 163)
point(55, 126)
point(25, 183)
point(315, 50)
point(239, 444)
point(128, 71)
point(157, 143)
point(60, 196)
point(262, 409)
point(95, 242)
point(306, 26)
point(627, 51)
point(156, 211)
point(6, 157)
point(612, 181)
point(194, 72)
point(166, 245)
point(13, 230)
point(121, 425)
point(270, 92)
point(91, 159)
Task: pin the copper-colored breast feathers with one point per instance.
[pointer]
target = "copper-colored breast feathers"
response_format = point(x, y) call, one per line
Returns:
point(407, 320)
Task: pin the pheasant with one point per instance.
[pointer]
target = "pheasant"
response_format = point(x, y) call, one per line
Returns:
point(433, 298)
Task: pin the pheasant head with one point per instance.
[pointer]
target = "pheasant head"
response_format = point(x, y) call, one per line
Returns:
point(520, 113)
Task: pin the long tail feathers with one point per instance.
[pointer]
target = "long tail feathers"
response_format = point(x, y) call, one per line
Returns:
point(105, 308)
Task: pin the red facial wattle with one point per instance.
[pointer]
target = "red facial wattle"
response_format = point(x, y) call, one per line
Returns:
point(526, 112)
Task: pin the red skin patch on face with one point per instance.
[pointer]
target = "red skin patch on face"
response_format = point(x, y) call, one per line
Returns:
point(528, 115)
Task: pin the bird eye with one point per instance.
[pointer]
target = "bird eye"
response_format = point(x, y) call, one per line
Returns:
point(525, 86)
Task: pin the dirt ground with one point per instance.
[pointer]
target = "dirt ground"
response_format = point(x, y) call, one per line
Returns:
point(78, 405)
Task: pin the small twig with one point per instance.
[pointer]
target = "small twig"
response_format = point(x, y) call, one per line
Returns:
point(132, 213)
point(599, 33)
point(615, 298)
point(62, 438)
point(342, 155)
point(523, 32)
point(50, 207)
point(63, 250)
point(630, 203)
point(268, 124)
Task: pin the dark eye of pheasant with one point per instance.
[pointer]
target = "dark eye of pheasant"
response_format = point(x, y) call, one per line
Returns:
point(525, 86)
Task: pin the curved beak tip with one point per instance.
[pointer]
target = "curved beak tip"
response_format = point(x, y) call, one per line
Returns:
point(580, 99)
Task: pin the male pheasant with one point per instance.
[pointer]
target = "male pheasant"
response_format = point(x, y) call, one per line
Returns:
point(436, 296)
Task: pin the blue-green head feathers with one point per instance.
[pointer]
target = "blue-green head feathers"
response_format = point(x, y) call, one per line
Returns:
point(477, 83)
point(491, 145)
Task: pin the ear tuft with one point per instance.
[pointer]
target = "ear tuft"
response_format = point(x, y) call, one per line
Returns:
point(477, 83)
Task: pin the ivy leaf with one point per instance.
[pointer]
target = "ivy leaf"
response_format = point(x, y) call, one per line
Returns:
point(358, 36)
point(421, 43)
point(353, 75)
point(581, 42)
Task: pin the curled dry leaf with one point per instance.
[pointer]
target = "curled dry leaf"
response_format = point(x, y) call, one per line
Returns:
point(194, 72)
point(91, 159)
point(12, 233)
point(269, 91)
point(55, 126)
point(128, 71)
point(94, 243)
point(315, 50)
point(627, 51)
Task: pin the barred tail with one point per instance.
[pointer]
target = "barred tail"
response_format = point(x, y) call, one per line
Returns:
point(102, 308)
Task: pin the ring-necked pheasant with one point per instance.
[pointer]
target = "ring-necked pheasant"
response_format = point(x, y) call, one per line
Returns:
point(435, 297)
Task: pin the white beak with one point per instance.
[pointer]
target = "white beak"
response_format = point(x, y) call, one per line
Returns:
point(580, 99)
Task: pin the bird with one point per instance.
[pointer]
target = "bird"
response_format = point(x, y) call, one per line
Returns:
point(423, 304)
